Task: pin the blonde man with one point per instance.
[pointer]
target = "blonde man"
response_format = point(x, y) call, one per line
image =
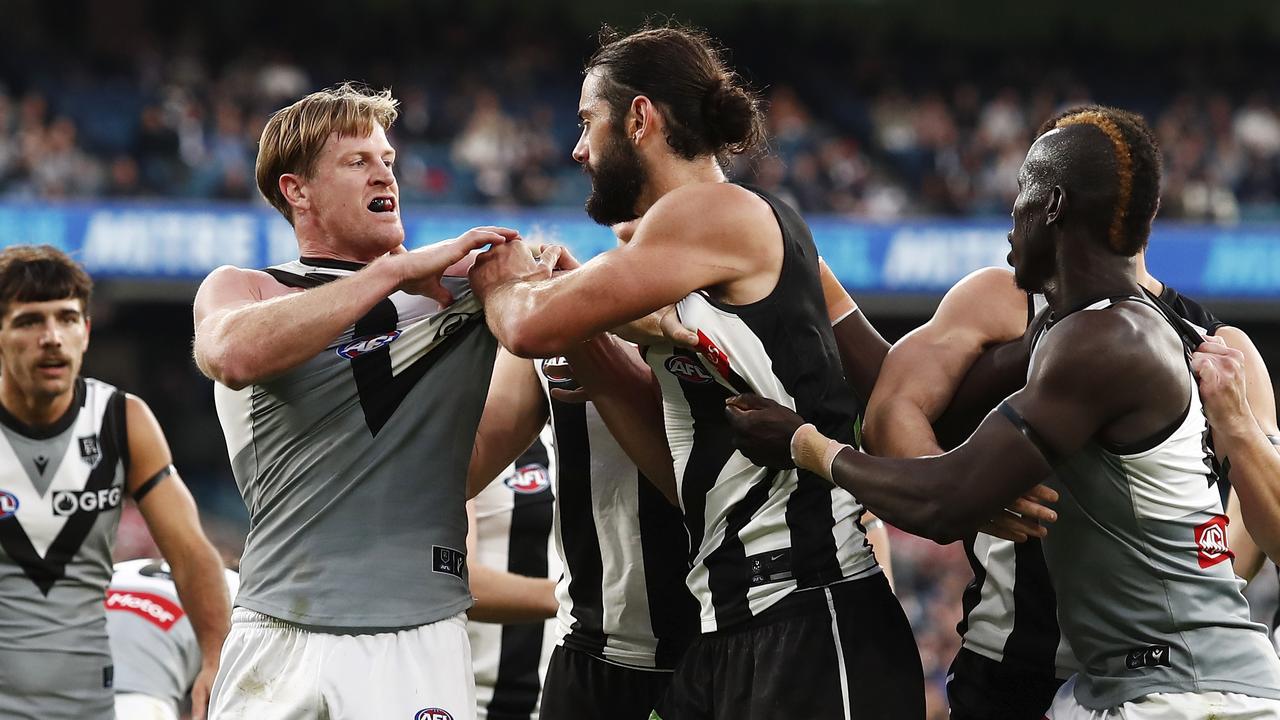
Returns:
point(345, 382)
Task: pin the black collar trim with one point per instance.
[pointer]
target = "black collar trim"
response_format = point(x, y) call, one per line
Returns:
point(331, 263)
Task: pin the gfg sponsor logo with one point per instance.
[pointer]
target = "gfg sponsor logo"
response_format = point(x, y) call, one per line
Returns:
point(367, 344)
point(8, 504)
point(687, 369)
point(1211, 542)
point(68, 502)
point(432, 714)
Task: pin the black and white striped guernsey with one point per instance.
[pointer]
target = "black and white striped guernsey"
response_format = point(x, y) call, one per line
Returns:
point(759, 534)
point(1010, 613)
point(513, 533)
point(624, 548)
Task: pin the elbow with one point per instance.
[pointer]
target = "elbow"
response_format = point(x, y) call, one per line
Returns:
point(526, 340)
point(224, 367)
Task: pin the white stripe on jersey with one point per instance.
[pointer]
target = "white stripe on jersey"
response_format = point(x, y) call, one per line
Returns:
point(767, 531)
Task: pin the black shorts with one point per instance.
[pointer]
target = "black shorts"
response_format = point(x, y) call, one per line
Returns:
point(980, 688)
point(581, 687)
point(844, 651)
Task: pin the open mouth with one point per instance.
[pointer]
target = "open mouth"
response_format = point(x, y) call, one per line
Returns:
point(382, 204)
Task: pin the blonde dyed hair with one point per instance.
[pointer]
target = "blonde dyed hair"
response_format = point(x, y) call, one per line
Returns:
point(293, 138)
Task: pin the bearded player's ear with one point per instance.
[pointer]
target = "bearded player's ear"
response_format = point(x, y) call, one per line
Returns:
point(641, 118)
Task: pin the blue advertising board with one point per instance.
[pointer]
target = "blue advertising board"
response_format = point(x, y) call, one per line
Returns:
point(920, 257)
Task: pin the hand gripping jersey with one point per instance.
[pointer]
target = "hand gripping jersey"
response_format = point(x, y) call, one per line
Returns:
point(758, 534)
point(1140, 562)
point(353, 465)
point(60, 494)
point(625, 551)
point(153, 645)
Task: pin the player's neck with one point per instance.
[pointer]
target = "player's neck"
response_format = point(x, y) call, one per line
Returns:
point(1090, 273)
point(678, 172)
point(315, 242)
point(1146, 279)
point(33, 410)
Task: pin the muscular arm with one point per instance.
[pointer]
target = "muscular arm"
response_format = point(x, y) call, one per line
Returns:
point(250, 328)
point(698, 236)
point(627, 396)
point(514, 413)
point(1241, 423)
point(171, 516)
point(505, 597)
point(924, 368)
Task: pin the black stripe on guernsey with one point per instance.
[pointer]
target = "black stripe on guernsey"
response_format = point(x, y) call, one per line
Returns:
point(381, 392)
point(712, 447)
point(308, 281)
point(45, 571)
point(673, 611)
point(578, 527)
point(515, 690)
point(727, 574)
point(1033, 640)
point(973, 592)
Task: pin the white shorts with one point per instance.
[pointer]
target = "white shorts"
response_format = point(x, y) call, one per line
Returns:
point(136, 706)
point(272, 670)
point(1168, 706)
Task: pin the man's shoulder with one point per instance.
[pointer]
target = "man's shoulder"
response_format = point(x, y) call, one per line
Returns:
point(1125, 342)
point(711, 206)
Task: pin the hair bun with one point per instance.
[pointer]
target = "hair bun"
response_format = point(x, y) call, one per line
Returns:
point(730, 114)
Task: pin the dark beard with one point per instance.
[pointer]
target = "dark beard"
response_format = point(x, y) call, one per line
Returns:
point(616, 183)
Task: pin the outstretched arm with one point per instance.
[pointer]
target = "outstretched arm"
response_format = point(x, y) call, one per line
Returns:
point(171, 516)
point(862, 349)
point(249, 328)
point(514, 413)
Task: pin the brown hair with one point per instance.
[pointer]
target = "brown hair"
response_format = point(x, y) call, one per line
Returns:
point(293, 138)
point(36, 273)
point(709, 109)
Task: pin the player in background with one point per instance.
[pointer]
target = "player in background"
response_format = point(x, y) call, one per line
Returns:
point(74, 447)
point(153, 645)
point(514, 568)
point(348, 384)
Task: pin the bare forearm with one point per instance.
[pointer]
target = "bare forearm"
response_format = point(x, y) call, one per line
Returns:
point(942, 498)
point(202, 588)
point(862, 352)
point(255, 342)
point(504, 597)
point(1255, 477)
point(625, 393)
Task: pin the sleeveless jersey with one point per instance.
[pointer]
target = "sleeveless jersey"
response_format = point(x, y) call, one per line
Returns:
point(624, 547)
point(513, 533)
point(353, 464)
point(1139, 555)
point(60, 494)
point(1010, 614)
point(153, 645)
point(759, 534)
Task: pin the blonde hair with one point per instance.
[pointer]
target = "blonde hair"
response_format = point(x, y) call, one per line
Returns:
point(293, 138)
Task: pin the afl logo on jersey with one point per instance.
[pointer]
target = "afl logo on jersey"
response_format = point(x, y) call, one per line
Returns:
point(8, 504)
point(687, 369)
point(367, 344)
point(433, 714)
point(528, 480)
point(557, 370)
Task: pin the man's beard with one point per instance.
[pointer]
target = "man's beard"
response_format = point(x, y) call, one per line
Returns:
point(616, 183)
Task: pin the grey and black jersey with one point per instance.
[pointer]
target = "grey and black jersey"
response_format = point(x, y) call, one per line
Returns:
point(1010, 614)
point(759, 534)
point(153, 646)
point(513, 533)
point(353, 464)
point(624, 548)
point(1140, 560)
point(60, 494)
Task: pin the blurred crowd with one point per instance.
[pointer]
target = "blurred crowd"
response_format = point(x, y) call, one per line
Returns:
point(498, 132)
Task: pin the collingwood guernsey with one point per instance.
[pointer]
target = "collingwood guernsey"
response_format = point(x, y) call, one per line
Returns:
point(361, 454)
point(759, 534)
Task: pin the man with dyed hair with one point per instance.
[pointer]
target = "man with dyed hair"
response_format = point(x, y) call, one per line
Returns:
point(349, 383)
